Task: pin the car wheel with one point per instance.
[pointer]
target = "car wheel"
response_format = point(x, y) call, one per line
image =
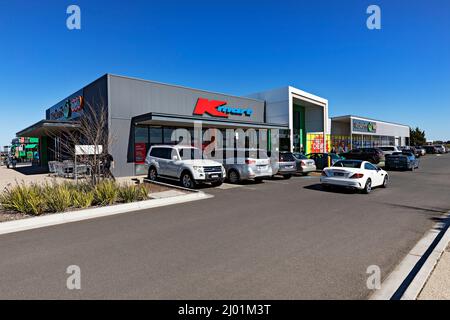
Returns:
point(187, 181)
point(368, 187)
point(233, 176)
point(385, 181)
point(287, 176)
point(152, 174)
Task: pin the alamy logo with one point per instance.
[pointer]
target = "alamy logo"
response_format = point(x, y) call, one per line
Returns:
point(73, 22)
point(374, 20)
point(74, 280)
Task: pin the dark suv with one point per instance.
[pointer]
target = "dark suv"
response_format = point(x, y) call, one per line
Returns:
point(373, 155)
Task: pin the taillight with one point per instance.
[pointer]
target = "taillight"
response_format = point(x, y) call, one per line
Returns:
point(357, 176)
point(248, 161)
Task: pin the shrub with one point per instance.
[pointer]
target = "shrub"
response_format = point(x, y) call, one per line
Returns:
point(57, 197)
point(131, 193)
point(82, 200)
point(24, 199)
point(106, 193)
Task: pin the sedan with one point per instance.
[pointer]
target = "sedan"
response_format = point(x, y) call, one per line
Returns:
point(355, 174)
point(304, 165)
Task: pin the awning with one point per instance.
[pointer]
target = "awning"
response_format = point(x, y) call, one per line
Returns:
point(166, 119)
point(48, 127)
point(31, 146)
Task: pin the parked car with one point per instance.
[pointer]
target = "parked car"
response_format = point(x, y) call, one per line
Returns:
point(441, 148)
point(373, 155)
point(431, 149)
point(355, 174)
point(244, 164)
point(286, 165)
point(321, 159)
point(304, 165)
point(421, 150)
point(390, 149)
point(416, 151)
point(183, 163)
point(404, 160)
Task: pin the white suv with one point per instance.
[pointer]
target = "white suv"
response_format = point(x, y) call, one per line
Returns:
point(183, 163)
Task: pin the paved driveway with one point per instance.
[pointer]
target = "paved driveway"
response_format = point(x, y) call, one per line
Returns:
point(275, 240)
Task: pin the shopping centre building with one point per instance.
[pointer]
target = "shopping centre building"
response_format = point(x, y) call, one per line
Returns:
point(143, 113)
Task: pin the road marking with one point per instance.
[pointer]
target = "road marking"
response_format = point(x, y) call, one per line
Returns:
point(409, 277)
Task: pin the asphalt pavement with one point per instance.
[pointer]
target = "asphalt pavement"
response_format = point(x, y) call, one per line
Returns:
point(280, 239)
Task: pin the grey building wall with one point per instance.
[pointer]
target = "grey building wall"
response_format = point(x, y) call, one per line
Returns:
point(129, 98)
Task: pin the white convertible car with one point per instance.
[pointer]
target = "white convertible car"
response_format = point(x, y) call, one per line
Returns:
point(355, 174)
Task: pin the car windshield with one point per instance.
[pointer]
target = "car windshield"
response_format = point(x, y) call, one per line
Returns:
point(190, 153)
point(348, 164)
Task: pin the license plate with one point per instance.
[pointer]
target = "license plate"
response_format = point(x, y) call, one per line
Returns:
point(214, 176)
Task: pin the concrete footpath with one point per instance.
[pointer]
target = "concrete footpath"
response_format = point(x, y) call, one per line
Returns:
point(437, 286)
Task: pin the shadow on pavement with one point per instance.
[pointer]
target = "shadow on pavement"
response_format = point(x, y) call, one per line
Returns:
point(319, 187)
point(29, 170)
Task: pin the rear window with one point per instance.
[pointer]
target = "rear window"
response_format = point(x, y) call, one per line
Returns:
point(286, 157)
point(348, 164)
point(256, 154)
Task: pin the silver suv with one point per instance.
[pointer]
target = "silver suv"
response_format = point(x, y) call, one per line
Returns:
point(183, 163)
point(244, 164)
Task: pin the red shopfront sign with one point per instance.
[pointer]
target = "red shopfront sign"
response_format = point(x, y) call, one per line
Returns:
point(217, 108)
point(140, 153)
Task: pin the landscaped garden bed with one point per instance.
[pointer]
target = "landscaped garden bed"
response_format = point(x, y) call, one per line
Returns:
point(26, 200)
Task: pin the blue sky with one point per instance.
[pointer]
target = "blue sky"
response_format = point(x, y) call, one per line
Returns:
point(400, 73)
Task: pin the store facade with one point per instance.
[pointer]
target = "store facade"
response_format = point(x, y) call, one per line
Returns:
point(143, 113)
point(350, 132)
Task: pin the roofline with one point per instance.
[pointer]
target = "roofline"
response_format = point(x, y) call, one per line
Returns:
point(350, 116)
point(183, 87)
point(44, 121)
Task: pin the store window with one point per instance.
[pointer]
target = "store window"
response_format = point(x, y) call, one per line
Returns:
point(156, 135)
point(141, 146)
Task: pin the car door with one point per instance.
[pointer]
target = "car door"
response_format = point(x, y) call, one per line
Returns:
point(173, 163)
point(163, 157)
point(376, 175)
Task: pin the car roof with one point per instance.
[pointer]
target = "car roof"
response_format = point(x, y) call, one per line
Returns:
point(173, 147)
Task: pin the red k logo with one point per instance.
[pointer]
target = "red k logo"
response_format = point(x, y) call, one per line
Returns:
point(210, 107)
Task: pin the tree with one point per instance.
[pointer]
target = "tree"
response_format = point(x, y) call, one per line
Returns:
point(92, 129)
point(417, 137)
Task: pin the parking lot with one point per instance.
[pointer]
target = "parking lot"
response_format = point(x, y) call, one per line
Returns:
point(280, 239)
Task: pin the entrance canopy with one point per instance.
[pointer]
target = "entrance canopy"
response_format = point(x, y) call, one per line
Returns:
point(181, 121)
point(46, 127)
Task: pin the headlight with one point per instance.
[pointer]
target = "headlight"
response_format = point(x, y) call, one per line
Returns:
point(198, 169)
point(224, 173)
